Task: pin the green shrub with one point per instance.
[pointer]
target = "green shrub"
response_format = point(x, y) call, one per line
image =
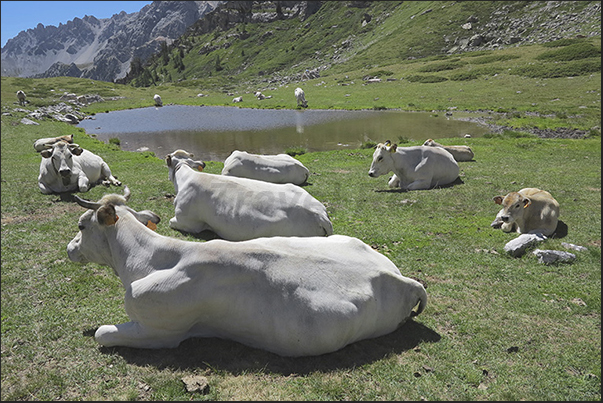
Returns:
point(570, 69)
point(114, 140)
point(297, 150)
point(577, 51)
point(562, 42)
point(426, 79)
point(368, 144)
point(464, 76)
point(449, 65)
point(493, 58)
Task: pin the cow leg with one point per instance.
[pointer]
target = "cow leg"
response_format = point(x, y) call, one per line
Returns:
point(134, 334)
point(44, 189)
point(498, 222)
point(83, 183)
point(419, 184)
point(195, 228)
point(106, 173)
point(394, 182)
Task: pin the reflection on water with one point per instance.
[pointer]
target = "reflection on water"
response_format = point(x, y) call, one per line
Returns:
point(211, 133)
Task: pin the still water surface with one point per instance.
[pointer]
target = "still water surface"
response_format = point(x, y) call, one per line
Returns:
point(211, 133)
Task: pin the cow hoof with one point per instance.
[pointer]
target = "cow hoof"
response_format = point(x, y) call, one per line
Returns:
point(496, 224)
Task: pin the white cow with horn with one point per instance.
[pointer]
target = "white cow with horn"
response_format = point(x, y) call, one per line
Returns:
point(240, 208)
point(68, 167)
point(279, 168)
point(414, 168)
point(293, 296)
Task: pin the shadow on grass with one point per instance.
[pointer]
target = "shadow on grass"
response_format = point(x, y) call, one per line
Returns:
point(457, 181)
point(236, 358)
point(561, 230)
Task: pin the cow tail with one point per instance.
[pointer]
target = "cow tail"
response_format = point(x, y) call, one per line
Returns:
point(422, 303)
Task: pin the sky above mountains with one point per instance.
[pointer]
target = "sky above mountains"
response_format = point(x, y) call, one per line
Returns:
point(20, 16)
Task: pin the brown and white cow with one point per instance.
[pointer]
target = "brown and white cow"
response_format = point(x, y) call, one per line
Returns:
point(529, 211)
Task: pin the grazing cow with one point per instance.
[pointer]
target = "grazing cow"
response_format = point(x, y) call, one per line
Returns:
point(259, 95)
point(21, 97)
point(415, 168)
point(459, 153)
point(292, 296)
point(238, 209)
point(280, 168)
point(529, 211)
point(68, 167)
point(300, 96)
point(157, 99)
point(237, 99)
point(42, 144)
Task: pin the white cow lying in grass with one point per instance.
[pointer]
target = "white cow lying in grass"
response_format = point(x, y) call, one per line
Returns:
point(280, 168)
point(300, 96)
point(44, 143)
point(293, 296)
point(459, 153)
point(68, 167)
point(529, 211)
point(414, 168)
point(240, 208)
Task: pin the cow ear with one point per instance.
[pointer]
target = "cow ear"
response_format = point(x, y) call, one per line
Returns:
point(200, 165)
point(387, 143)
point(526, 202)
point(75, 149)
point(168, 160)
point(497, 199)
point(46, 153)
point(106, 215)
point(393, 148)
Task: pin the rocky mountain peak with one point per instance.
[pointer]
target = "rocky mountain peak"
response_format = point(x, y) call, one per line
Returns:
point(100, 49)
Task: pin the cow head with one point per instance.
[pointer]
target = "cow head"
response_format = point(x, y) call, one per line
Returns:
point(61, 154)
point(383, 161)
point(513, 206)
point(91, 243)
point(175, 160)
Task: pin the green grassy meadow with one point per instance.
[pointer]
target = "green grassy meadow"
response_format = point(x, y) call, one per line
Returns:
point(495, 327)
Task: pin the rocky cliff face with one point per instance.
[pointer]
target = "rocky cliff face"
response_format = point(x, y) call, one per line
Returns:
point(100, 49)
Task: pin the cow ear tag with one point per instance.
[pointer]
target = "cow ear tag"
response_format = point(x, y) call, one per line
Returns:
point(151, 225)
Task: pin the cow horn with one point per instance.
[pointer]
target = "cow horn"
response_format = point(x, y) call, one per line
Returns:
point(86, 203)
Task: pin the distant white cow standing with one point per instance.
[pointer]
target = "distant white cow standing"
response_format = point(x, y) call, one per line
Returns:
point(529, 211)
point(21, 97)
point(238, 209)
point(292, 296)
point(300, 96)
point(415, 168)
point(68, 167)
point(279, 168)
point(157, 99)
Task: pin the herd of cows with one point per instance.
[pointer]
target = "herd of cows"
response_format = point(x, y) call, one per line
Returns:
point(279, 279)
